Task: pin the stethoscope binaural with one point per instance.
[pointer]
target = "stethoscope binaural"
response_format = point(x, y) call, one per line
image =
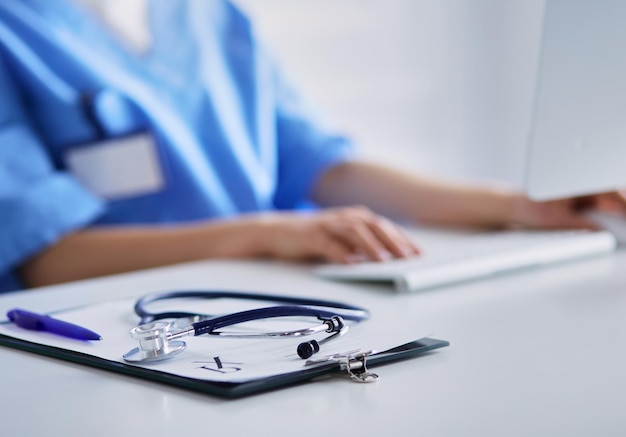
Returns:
point(159, 341)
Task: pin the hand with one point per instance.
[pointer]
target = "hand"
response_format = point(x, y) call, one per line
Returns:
point(341, 235)
point(565, 213)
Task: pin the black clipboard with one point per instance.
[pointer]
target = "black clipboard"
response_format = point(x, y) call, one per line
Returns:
point(350, 366)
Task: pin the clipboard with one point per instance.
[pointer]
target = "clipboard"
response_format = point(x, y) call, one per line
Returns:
point(230, 390)
point(354, 364)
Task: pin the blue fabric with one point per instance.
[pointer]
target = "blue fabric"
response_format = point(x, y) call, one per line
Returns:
point(232, 134)
point(38, 204)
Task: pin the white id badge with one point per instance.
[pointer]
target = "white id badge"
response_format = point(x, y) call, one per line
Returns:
point(118, 168)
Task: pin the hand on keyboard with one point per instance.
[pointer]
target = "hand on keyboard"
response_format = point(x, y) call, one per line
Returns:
point(340, 235)
point(566, 213)
point(477, 256)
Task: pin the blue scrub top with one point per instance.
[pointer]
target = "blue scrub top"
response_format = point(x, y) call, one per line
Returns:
point(231, 133)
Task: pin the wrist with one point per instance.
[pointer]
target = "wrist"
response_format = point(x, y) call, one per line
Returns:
point(486, 207)
point(515, 208)
point(261, 235)
point(242, 237)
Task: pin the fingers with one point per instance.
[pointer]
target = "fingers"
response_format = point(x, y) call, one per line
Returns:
point(364, 234)
point(341, 235)
point(334, 250)
point(563, 214)
point(556, 214)
point(573, 220)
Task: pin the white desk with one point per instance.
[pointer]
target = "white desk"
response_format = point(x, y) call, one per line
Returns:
point(537, 353)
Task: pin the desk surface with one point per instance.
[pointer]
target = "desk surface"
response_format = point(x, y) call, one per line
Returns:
point(536, 353)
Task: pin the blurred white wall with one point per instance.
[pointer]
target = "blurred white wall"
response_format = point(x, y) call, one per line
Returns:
point(442, 86)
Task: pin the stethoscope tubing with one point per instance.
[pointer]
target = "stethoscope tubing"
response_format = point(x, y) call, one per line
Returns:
point(294, 306)
point(211, 325)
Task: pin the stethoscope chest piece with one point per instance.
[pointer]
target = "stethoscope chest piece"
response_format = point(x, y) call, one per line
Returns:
point(154, 343)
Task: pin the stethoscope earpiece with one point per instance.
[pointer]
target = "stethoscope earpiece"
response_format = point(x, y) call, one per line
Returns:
point(307, 349)
point(335, 326)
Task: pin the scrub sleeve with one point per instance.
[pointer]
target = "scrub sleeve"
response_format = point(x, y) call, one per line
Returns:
point(38, 205)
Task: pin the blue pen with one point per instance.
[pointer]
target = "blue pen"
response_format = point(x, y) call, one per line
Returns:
point(41, 322)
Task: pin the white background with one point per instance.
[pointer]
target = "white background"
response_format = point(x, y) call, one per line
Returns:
point(437, 86)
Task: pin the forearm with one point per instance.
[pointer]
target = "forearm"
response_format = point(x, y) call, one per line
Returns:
point(103, 251)
point(404, 196)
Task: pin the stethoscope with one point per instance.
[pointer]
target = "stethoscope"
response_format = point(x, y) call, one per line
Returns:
point(158, 339)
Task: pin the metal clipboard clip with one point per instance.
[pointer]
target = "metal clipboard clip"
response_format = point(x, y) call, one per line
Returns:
point(354, 363)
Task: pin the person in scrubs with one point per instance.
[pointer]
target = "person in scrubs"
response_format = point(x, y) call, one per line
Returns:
point(166, 133)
